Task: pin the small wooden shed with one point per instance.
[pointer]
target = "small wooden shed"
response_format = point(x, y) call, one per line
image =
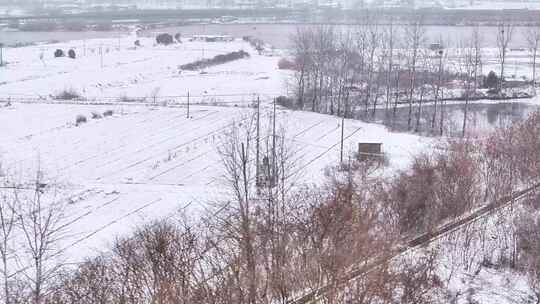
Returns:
point(370, 151)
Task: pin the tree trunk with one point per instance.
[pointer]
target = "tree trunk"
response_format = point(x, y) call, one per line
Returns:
point(465, 110)
point(301, 89)
point(396, 98)
point(389, 72)
point(534, 72)
point(441, 124)
point(417, 128)
point(501, 80)
point(314, 100)
point(437, 94)
point(37, 283)
point(7, 295)
point(411, 93)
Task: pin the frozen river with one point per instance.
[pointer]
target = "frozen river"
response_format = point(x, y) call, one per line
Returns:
point(276, 34)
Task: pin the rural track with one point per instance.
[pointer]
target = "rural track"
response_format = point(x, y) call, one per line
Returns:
point(173, 149)
point(303, 131)
point(78, 140)
point(418, 241)
point(155, 135)
point(76, 162)
point(185, 162)
point(306, 145)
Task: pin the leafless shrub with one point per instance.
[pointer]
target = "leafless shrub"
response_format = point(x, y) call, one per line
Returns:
point(68, 94)
point(91, 282)
point(438, 187)
point(511, 158)
point(343, 230)
point(529, 246)
point(164, 39)
point(80, 119)
point(96, 115)
point(286, 64)
point(417, 279)
point(156, 265)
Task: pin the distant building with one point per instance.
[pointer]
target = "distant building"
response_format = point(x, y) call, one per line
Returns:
point(212, 38)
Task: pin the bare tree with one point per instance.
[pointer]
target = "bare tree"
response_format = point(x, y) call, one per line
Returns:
point(237, 221)
point(8, 221)
point(323, 52)
point(467, 71)
point(505, 31)
point(415, 36)
point(477, 45)
point(346, 72)
point(533, 41)
point(473, 62)
point(40, 219)
point(423, 81)
point(372, 46)
point(441, 56)
point(390, 44)
point(302, 46)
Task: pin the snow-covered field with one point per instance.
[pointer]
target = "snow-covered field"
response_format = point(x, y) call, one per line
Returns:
point(115, 68)
point(148, 161)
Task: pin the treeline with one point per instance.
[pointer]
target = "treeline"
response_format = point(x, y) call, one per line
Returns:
point(353, 72)
point(273, 241)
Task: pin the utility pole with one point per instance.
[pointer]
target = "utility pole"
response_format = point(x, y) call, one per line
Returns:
point(1, 54)
point(342, 133)
point(274, 144)
point(187, 116)
point(258, 140)
point(442, 113)
point(204, 41)
point(101, 55)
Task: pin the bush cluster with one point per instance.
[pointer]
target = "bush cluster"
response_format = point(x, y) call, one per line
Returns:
point(60, 53)
point(164, 39)
point(68, 94)
point(80, 119)
point(286, 64)
point(217, 60)
point(96, 115)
